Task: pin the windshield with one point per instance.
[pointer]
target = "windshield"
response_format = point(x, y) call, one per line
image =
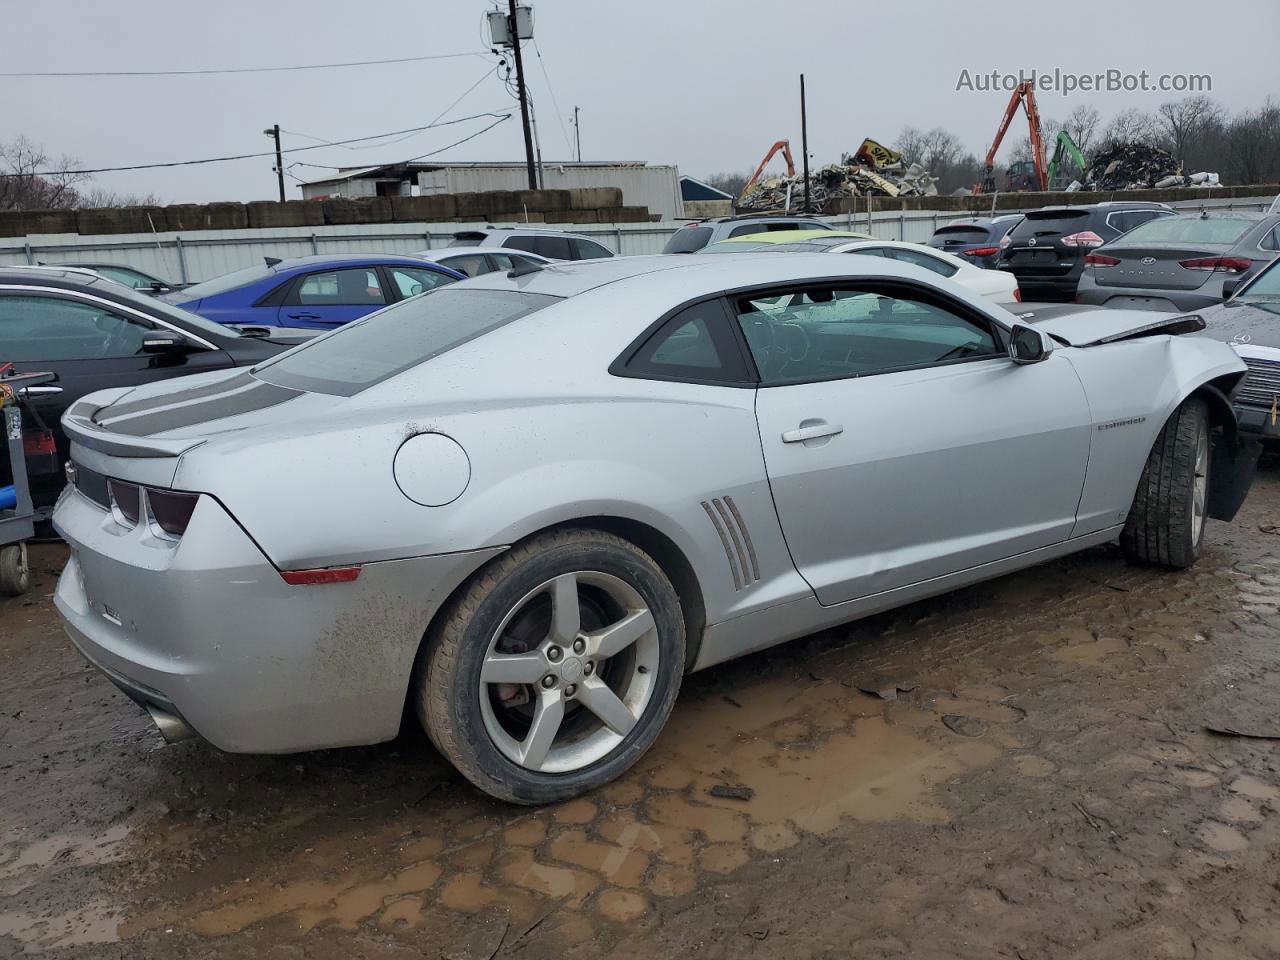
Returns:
point(391, 341)
point(1265, 284)
point(688, 239)
point(1195, 229)
point(161, 308)
point(228, 281)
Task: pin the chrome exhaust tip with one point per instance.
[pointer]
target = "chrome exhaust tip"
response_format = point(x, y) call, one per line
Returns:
point(173, 729)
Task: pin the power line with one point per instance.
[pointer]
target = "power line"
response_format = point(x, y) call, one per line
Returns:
point(212, 71)
point(555, 104)
point(448, 146)
point(249, 156)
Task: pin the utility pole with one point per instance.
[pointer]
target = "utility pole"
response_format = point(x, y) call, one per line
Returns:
point(804, 145)
point(524, 101)
point(274, 131)
point(577, 133)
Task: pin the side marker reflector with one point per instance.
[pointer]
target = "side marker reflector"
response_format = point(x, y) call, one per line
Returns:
point(302, 578)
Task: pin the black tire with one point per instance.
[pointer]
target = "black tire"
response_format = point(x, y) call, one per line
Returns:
point(1160, 529)
point(447, 679)
point(15, 574)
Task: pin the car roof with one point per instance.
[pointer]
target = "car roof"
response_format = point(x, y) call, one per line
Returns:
point(713, 273)
point(518, 231)
point(60, 275)
point(738, 218)
point(794, 236)
point(341, 259)
point(441, 252)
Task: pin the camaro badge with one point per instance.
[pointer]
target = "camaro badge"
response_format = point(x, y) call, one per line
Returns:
point(1128, 422)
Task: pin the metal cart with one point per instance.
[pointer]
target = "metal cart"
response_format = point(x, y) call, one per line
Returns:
point(17, 521)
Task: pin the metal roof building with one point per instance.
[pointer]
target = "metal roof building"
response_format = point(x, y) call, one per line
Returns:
point(656, 187)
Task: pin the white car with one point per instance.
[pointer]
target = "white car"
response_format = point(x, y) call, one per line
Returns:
point(477, 261)
point(996, 285)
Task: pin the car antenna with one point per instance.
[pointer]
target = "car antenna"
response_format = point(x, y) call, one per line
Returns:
point(272, 261)
point(524, 269)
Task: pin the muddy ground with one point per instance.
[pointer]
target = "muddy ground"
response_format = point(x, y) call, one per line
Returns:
point(1036, 780)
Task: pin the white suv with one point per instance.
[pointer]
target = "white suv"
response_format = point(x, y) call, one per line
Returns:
point(552, 244)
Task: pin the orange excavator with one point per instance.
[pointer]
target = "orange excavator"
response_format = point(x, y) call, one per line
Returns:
point(1024, 95)
point(785, 147)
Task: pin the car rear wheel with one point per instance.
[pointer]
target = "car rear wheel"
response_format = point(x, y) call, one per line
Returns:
point(554, 669)
point(1165, 526)
point(15, 574)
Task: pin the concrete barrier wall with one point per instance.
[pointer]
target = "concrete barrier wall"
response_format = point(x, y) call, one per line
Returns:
point(195, 255)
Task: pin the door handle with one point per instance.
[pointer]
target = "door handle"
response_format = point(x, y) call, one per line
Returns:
point(304, 316)
point(812, 430)
point(40, 391)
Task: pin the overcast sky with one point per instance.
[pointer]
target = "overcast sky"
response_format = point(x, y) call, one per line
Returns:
point(705, 85)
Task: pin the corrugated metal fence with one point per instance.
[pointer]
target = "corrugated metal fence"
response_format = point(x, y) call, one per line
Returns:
point(200, 255)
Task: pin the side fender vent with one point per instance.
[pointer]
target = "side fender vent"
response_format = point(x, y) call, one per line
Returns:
point(736, 540)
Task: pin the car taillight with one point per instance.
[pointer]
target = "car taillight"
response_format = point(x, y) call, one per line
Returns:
point(1218, 264)
point(126, 499)
point(1101, 260)
point(1085, 238)
point(981, 252)
point(171, 511)
point(1017, 294)
point(37, 443)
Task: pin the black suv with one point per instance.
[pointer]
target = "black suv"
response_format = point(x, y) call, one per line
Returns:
point(1046, 250)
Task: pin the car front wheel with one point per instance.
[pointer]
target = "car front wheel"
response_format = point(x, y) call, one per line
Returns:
point(555, 668)
point(1165, 525)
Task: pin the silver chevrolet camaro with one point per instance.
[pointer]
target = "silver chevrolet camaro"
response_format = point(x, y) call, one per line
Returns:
point(528, 503)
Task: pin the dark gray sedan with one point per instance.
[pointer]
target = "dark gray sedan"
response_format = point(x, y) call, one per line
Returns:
point(1179, 263)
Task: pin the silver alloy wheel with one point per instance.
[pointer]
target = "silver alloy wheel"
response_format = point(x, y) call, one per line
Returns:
point(609, 671)
point(1200, 487)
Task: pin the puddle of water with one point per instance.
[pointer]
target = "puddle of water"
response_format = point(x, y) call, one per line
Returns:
point(64, 849)
point(94, 922)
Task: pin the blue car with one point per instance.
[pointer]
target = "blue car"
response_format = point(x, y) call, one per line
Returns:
point(979, 240)
point(319, 293)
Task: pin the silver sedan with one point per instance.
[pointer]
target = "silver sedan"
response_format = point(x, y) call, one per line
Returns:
point(527, 504)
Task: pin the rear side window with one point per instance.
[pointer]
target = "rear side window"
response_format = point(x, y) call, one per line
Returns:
point(688, 240)
point(557, 248)
point(746, 230)
point(590, 250)
point(695, 345)
point(412, 332)
point(938, 266)
point(357, 287)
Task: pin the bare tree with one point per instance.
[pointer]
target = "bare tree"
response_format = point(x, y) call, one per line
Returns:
point(1183, 122)
point(1253, 145)
point(32, 180)
point(1082, 124)
point(1127, 125)
point(730, 183)
point(101, 197)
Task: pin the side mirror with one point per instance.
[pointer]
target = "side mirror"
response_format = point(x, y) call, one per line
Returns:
point(1029, 345)
point(163, 344)
point(1229, 288)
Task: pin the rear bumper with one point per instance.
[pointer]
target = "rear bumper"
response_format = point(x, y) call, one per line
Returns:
point(205, 632)
point(1141, 298)
point(1045, 286)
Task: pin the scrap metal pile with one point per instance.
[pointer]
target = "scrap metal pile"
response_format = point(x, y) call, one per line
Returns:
point(873, 170)
point(1132, 165)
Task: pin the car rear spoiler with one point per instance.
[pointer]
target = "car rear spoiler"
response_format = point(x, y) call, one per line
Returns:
point(78, 424)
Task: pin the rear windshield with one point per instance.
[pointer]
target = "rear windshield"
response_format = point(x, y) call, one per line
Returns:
point(961, 234)
point(391, 341)
point(1040, 222)
point(1226, 230)
point(228, 281)
point(688, 239)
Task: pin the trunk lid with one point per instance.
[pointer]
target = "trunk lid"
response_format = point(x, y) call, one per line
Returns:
point(1156, 266)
